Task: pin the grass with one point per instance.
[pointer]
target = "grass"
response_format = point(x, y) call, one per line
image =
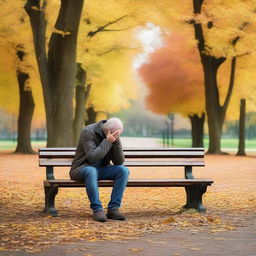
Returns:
point(226, 143)
point(11, 145)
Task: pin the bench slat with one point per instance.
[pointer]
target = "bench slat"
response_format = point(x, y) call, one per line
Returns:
point(140, 154)
point(126, 149)
point(182, 162)
point(133, 183)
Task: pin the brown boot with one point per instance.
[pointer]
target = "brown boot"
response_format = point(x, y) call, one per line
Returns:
point(99, 216)
point(114, 214)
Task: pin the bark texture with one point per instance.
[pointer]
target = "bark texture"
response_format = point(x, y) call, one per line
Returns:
point(26, 110)
point(197, 131)
point(241, 146)
point(91, 115)
point(82, 93)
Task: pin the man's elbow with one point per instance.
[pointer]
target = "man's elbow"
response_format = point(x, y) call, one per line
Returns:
point(118, 161)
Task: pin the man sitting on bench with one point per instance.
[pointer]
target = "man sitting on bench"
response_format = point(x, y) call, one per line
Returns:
point(99, 143)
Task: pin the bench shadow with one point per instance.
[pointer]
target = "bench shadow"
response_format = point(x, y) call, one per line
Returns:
point(129, 214)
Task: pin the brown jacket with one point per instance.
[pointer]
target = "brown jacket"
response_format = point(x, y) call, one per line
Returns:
point(94, 148)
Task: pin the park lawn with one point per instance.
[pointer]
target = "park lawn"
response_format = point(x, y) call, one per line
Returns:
point(230, 203)
point(226, 143)
point(11, 145)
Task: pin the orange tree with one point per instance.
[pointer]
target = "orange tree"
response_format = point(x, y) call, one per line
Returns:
point(174, 78)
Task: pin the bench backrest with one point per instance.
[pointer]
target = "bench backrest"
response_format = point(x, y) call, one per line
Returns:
point(133, 156)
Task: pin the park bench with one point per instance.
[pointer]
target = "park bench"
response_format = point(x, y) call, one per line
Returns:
point(134, 157)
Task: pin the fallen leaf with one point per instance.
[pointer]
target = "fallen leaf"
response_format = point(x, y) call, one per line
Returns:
point(136, 249)
point(195, 249)
point(169, 220)
point(214, 220)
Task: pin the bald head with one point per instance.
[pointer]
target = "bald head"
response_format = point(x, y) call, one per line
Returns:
point(113, 124)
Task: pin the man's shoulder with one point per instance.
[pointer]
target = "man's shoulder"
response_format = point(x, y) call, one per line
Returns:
point(89, 128)
point(94, 127)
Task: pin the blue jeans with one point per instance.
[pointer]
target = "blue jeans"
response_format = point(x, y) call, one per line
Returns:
point(91, 174)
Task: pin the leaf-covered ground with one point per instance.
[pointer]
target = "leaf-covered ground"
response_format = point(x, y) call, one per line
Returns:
point(230, 203)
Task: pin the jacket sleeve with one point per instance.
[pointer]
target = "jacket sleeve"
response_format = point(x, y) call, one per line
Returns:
point(93, 152)
point(117, 153)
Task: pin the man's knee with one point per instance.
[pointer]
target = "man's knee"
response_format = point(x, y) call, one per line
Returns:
point(123, 170)
point(90, 171)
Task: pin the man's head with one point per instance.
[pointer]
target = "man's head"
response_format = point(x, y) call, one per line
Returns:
point(112, 125)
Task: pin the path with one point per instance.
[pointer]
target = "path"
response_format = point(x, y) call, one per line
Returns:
point(140, 142)
point(239, 242)
point(154, 225)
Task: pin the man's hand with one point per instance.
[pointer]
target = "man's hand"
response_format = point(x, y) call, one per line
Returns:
point(111, 137)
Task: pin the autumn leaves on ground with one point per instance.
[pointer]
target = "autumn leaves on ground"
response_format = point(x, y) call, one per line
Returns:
point(230, 203)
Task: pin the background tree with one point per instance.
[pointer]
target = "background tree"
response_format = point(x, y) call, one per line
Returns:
point(174, 77)
point(57, 67)
point(241, 145)
point(106, 50)
point(218, 34)
point(17, 60)
point(81, 95)
point(26, 109)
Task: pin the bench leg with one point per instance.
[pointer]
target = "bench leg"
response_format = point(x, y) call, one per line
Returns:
point(194, 197)
point(50, 194)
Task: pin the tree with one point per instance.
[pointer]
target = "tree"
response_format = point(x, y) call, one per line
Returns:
point(197, 129)
point(16, 46)
point(81, 96)
point(208, 16)
point(241, 146)
point(174, 77)
point(57, 67)
point(106, 53)
point(26, 109)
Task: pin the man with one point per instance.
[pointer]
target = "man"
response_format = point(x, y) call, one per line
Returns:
point(99, 144)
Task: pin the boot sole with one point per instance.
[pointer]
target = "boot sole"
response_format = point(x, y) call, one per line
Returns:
point(113, 218)
point(100, 220)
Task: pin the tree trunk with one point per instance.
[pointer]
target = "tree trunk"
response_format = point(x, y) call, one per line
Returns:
point(241, 147)
point(62, 69)
point(82, 94)
point(91, 115)
point(26, 110)
point(213, 108)
point(58, 71)
point(197, 131)
point(215, 112)
point(37, 16)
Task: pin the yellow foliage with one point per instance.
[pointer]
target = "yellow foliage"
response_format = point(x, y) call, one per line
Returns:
point(244, 86)
point(15, 34)
point(107, 56)
point(230, 19)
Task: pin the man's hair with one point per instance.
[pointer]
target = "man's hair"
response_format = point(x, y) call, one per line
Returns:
point(113, 124)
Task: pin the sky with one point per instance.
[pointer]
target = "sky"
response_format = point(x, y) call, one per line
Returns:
point(151, 39)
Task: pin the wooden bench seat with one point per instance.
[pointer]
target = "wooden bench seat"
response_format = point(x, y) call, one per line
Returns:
point(135, 157)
